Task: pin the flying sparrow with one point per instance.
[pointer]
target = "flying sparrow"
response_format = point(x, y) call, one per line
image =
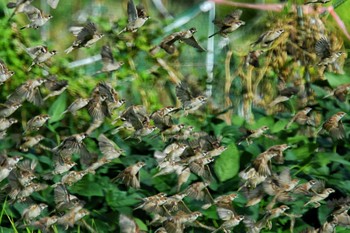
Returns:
point(228, 24)
point(5, 74)
point(7, 164)
point(40, 54)
point(228, 225)
point(301, 118)
point(340, 92)
point(29, 91)
point(189, 102)
point(252, 134)
point(108, 148)
point(253, 58)
point(130, 175)
point(334, 126)
point(33, 211)
point(5, 123)
point(36, 123)
point(109, 64)
point(324, 52)
point(55, 86)
point(35, 16)
point(136, 17)
point(8, 110)
point(85, 36)
point(319, 197)
point(77, 105)
point(266, 39)
point(18, 6)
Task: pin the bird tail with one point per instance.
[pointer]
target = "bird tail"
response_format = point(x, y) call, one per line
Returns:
point(70, 49)
point(122, 31)
point(213, 35)
point(24, 27)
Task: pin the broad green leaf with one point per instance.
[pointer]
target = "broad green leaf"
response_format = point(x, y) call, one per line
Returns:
point(57, 108)
point(337, 79)
point(227, 165)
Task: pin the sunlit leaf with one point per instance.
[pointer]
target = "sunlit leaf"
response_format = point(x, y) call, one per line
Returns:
point(227, 165)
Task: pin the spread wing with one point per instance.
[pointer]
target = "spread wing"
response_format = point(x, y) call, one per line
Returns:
point(132, 11)
point(322, 48)
point(194, 43)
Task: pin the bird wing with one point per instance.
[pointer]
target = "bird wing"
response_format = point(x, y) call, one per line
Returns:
point(322, 48)
point(183, 92)
point(106, 54)
point(132, 11)
point(32, 12)
point(107, 147)
point(194, 43)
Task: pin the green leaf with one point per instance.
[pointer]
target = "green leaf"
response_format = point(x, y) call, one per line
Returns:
point(337, 79)
point(57, 108)
point(227, 165)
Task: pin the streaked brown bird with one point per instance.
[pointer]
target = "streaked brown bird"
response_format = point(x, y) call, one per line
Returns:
point(228, 24)
point(189, 102)
point(266, 39)
point(30, 142)
point(55, 86)
point(130, 175)
point(5, 74)
point(7, 110)
point(301, 118)
point(340, 92)
point(334, 126)
point(108, 61)
point(325, 53)
point(18, 6)
point(36, 17)
point(137, 17)
point(86, 36)
point(36, 123)
point(40, 54)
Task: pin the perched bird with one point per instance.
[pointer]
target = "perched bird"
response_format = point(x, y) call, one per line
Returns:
point(266, 39)
point(35, 16)
point(77, 105)
point(40, 54)
point(18, 6)
point(55, 86)
point(186, 36)
point(334, 126)
point(36, 123)
point(29, 91)
point(85, 36)
point(130, 175)
point(109, 64)
point(30, 142)
point(324, 52)
point(7, 110)
point(5, 74)
point(136, 17)
point(301, 118)
point(189, 102)
point(340, 92)
point(228, 24)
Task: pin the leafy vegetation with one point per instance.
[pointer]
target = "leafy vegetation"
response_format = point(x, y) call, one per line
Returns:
point(240, 98)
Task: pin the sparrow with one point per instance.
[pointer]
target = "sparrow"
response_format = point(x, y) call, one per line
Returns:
point(224, 201)
point(64, 200)
point(23, 194)
point(319, 197)
point(316, 1)
point(127, 224)
point(72, 177)
point(228, 225)
point(130, 175)
point(334, 126)
point(266, 39)
point(252, 134)
point(77, 105)
point(162, 118)
point(35, 16)
point(25, 172)
point(324, 52)
point(70, 218)
point(199, 191)
point(33, 211)
point(136, 18)
point(29, 91)
point(40, 54)
point(43, 223)
point(5, 74)
point(154, 204)
point(36, 123)
point(301, 118)
point(55, 86)
point(340, 92)
point(85, 36)
point(278, 149)
point(7, 110)
point(176, 224)
point(175, 203)
point(189, 102)
point(330, 226)
point(262, 163)
point(200, 168)
point(272, 214)
point(97, 107)
point(228, 24)
point(186, 36)
point(73, 145)
point(7, 164)
point(252, 58)
point(108, 148)
point(109, 64)
point(18, 6)
point(61, 165)
point(254, 196)
point(5, 123)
